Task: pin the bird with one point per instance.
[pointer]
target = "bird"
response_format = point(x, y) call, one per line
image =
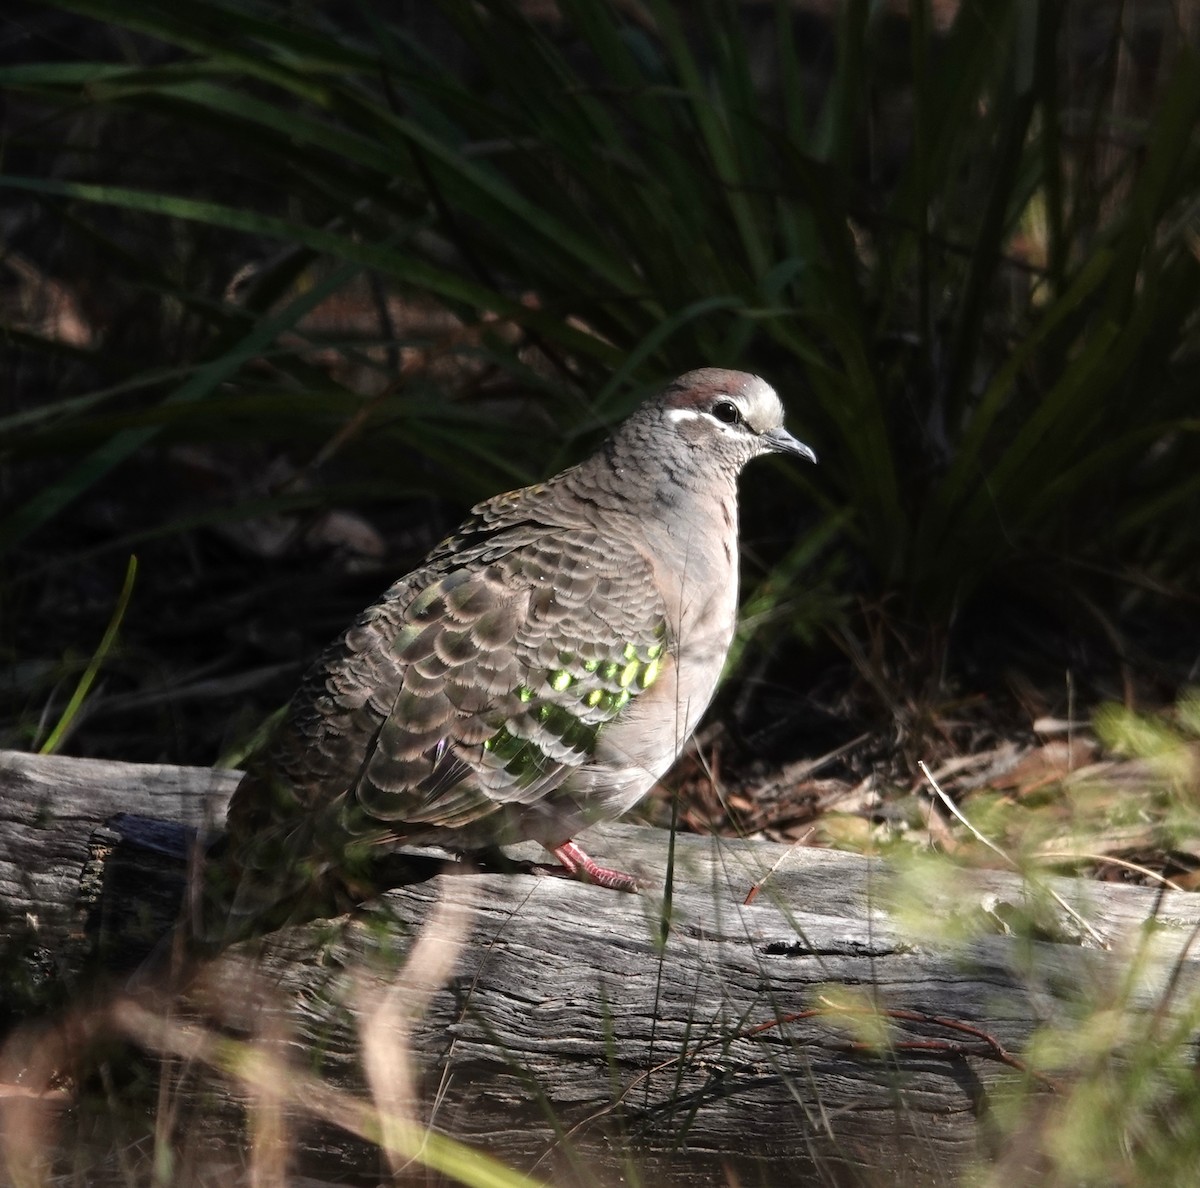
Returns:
point(536, 673)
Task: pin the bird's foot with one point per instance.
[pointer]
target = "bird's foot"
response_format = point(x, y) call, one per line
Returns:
point(578, 865)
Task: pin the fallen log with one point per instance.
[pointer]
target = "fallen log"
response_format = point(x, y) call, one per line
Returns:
point(769, 1015)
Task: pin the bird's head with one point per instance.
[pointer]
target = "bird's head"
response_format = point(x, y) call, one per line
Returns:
point(725, 417)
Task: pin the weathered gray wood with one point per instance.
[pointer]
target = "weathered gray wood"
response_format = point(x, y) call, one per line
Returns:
point(564, 1013)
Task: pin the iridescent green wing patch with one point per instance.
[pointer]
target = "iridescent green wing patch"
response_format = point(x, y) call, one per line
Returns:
point(565, 712)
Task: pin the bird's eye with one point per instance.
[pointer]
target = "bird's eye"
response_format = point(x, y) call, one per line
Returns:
point(726, 412)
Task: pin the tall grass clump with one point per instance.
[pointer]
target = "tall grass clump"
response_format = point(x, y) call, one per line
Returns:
point(962, 243)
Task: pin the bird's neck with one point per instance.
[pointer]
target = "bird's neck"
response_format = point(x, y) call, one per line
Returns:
point(684, 517)
point(672, 493)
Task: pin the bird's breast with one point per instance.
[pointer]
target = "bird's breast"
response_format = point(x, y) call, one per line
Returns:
point(695, 566)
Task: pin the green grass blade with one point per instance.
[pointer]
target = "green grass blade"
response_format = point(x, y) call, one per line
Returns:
point(51, 745)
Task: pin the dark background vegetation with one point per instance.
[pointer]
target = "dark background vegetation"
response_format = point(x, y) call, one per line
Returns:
point(286, 287)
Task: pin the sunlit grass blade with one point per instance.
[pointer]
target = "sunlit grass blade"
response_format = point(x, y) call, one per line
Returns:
point(88, 677)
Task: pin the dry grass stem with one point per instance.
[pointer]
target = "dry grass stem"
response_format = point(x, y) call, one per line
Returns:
point(386, 1015)
point(957, 813)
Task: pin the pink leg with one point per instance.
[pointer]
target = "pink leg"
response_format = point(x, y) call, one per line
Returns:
point(579, 866)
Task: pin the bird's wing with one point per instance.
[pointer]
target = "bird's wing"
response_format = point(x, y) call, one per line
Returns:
point(468, 686)
point(506, 674)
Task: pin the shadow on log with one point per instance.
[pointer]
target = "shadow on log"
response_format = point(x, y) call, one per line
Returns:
point(829, 1031)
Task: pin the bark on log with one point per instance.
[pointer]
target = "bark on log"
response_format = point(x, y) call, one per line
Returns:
point(566, 1036)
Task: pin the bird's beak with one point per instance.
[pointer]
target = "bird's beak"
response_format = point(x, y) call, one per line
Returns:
point(780, 439)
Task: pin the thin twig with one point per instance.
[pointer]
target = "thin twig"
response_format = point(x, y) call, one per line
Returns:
point(752, 894)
